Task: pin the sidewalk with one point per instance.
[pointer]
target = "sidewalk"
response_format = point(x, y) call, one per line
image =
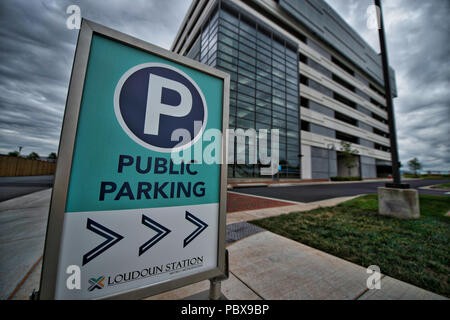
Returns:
point(13, 187)
point(270, 267)
point(23, 223)
point(266, 266)
point(262, 266)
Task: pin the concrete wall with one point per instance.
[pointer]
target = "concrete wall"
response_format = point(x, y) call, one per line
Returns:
point(321, 19)
point(306, 162)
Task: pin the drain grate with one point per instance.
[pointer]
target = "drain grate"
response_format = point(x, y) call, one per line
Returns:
point(240, 230)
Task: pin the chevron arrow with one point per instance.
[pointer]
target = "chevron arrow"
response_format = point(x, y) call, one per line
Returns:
point(111, 239)
point(200, 227)
point(161, 233)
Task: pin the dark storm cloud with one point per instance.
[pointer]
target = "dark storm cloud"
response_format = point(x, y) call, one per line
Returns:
point(36, 56)
point(419, 50)
point(37, 52)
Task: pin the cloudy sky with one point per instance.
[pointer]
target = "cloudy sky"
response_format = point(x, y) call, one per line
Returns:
point(37, 50)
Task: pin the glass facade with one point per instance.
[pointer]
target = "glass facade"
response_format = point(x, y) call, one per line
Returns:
point(263, 62)
point(264, 91)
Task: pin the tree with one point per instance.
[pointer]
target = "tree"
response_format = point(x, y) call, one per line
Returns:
point(33, 156)
point(414, 165)
point(13, 154)
point(348, 155)
point(52, 156)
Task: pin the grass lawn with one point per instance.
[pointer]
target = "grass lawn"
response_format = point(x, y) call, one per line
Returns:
point(443, 186)
point(415, 251)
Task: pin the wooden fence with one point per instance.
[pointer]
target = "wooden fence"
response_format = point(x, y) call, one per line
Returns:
point(13, 166)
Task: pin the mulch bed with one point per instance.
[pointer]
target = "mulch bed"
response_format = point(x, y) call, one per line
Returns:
point(240, 202)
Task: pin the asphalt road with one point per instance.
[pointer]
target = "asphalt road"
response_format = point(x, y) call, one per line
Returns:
point(12, 187)
point(317, 192)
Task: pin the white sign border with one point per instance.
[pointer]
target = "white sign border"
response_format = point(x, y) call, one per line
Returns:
point(65, 154)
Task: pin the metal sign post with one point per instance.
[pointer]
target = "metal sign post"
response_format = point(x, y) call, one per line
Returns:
point(127, 220)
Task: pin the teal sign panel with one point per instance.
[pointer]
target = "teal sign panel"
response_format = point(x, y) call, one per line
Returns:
point(136, 109)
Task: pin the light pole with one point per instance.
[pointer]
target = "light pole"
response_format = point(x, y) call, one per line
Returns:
point(389, 104)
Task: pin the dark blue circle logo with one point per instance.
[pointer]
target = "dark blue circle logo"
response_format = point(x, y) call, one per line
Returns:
point(160, 107)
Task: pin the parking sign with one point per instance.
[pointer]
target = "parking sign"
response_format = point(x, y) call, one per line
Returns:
point(132, 218)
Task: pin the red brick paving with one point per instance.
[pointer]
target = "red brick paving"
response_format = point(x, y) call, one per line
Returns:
point(240, 202)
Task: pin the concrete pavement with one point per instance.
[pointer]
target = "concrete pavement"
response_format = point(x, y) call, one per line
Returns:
point(23, 223)
point(270, 267)
point(263, 265)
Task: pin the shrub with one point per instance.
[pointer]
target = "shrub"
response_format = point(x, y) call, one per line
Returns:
point(345, 179)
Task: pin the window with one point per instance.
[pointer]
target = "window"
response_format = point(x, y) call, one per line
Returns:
point(343, 83)
point(324, 131)
point(247, 81)
point(226, 65)
point(344, 118)
point(263, 87)
point(346, 137)
point(319, 68)
point(304, 102)
point(224, 48)
point(381, 133)
point(194, 52)
point(362, 94)
point(318, 49)
point(262, 118)
point(263, 36)
point(229, 17)
point(314, 106)
point(303, 58)
point(366, 143)
point(263, 104)
point(379, 105)
point(225, 25)
point(378, 118)
point(305, 125)
point(262, 57)
point(248, 59)
point(382, 148)
point(248, 27)
point(344, 100)
point(229, 41)
point(342, 66)
point(303, 80)
point(371, 86)
point(292, 106)
point(318, 87)
point(247, 50)
point(264, 70)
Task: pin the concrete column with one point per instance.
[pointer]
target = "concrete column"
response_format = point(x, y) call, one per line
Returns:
point(399, 203)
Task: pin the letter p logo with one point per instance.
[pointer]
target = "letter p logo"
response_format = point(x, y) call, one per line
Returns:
point(155, 107)
point(152, 100)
